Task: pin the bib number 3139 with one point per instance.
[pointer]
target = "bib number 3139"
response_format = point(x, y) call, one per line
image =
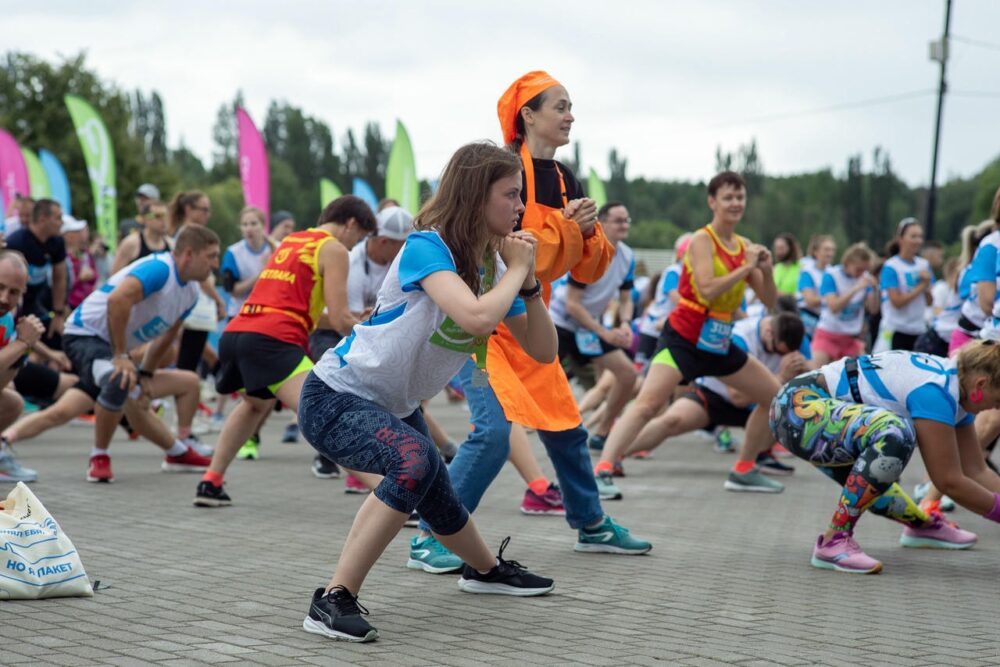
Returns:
point(715, 336)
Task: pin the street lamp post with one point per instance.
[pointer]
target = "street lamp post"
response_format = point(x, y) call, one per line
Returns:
point(939, 53)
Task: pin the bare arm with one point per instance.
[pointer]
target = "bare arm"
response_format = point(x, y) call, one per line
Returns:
point(837, 302)
point(333, 265)
point(626, 308)
point(126, 253)
point(973, 463)
point(534, 332)
point(986, 292)
point(709, 285)
point(811, 298)
point(939, 447)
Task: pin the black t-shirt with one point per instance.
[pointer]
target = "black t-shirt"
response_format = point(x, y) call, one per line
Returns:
point(41, 258)
point(547, 190)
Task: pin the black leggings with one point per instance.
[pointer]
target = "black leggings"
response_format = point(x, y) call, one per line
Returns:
point(191, 348)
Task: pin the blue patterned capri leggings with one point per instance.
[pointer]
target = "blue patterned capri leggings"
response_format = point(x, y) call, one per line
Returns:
point(361, 435)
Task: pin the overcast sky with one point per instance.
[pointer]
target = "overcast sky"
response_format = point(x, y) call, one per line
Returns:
point(665, 82)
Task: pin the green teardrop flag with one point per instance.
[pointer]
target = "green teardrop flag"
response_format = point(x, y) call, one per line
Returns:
point(36, 175)
point(328, 191)
point(99, 155)
point(401, 181)
point(595, 189)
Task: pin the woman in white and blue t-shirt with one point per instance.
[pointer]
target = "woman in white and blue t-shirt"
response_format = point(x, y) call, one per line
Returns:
point(819, 255)
point(453, 282)
point(906, 289)
point(847, 291)
point(859, 419)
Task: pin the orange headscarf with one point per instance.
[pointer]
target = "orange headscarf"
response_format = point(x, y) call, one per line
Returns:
point(516, 96)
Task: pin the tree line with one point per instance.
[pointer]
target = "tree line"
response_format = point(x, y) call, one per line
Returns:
point(863, 202)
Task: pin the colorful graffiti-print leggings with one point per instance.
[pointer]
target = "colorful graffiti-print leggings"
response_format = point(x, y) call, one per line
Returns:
point(862, 448)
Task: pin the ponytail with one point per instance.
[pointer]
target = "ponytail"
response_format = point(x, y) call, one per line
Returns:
point(179, 205)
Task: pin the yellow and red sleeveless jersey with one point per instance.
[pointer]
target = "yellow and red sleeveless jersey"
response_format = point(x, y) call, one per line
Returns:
point(287, 299)
point(691, 312)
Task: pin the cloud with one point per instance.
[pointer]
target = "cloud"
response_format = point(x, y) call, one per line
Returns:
point(664, 82)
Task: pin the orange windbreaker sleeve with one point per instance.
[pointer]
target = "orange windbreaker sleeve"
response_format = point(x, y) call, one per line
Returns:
point(561, 248)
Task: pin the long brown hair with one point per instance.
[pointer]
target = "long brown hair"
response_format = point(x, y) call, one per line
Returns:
point(457, 211)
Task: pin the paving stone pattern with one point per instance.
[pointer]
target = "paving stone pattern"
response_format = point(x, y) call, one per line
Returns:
point(728, 580)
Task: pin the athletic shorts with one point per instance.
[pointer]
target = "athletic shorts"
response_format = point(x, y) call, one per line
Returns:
point(37, 381)
point(837, 345)
point(86, 351)
point(720, 411)
point(257, 363)
point(679, 353)
point(569, 348)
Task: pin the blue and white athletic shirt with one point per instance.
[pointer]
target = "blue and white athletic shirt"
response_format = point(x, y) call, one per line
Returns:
point(243, 262)
point(657, 312)
point(166, 300)
point(945, 322)
point(851, 318)
point(913, 385)
point(408, 349)
point(746, 336)
point(904, 276)
point(8, 331)
point(364, 278)
point(985, 267)
point(620, 275)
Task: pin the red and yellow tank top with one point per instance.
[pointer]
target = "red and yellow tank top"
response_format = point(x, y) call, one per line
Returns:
point(287, 299)
point(693, 311)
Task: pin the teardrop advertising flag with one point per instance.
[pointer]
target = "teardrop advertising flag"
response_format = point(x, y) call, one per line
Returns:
point(13, 172)
point(328, 191)
point(595, 189)
point(360, 188)
point(401, 181)
point(58, 182)
point(36, 175)
point(253, 165)
point(99, 155)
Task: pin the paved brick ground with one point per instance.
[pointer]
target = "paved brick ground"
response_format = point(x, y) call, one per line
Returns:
point(728, 581)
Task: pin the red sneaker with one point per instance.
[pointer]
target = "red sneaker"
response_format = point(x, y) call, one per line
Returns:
point(549, 503)
point(189, 461)
point(100, 469)
point(779, 451)
point(354, 485)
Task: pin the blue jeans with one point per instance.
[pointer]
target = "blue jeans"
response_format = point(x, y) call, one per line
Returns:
point(362, 435)
point(484, 452)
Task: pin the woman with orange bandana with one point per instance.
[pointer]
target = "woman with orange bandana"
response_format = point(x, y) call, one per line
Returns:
point(509, 386)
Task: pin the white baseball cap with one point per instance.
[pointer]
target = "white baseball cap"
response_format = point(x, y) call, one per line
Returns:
point(148, 190)
point(71, 224)
point(394, 223)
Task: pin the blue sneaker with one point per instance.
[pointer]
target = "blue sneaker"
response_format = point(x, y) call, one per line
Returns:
point(920, 492)
point(431, 556)
point(724, 441)
point(12, 471)
point(610, 538)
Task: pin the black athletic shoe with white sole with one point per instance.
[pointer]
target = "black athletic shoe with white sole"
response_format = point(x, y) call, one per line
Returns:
point(508, 577)
point(324, 468)
point(210, 495)
point(337, 615)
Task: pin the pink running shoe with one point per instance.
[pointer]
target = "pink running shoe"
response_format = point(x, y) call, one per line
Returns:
point(549, 503)
point(100, 469)
point(189, 461)
point(354, 485)
point(940, 534)
point(842, 553)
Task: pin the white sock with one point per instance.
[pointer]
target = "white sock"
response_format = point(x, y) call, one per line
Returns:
point(97, 452)
point(491, 569)
point(178, 449)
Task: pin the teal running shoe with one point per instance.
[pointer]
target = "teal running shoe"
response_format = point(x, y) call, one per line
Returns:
point(610, 538)
point(431, 556)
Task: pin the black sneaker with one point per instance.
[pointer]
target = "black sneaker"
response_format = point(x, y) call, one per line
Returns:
point(210, 495)
point(772, 466)
point(337, 615)
point(324, 468)
point(508, 577)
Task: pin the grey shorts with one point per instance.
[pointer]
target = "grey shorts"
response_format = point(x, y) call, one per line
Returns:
point(91, 358)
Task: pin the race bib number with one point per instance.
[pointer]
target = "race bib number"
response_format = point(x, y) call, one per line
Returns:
point(588, 343)
point(715, 336)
